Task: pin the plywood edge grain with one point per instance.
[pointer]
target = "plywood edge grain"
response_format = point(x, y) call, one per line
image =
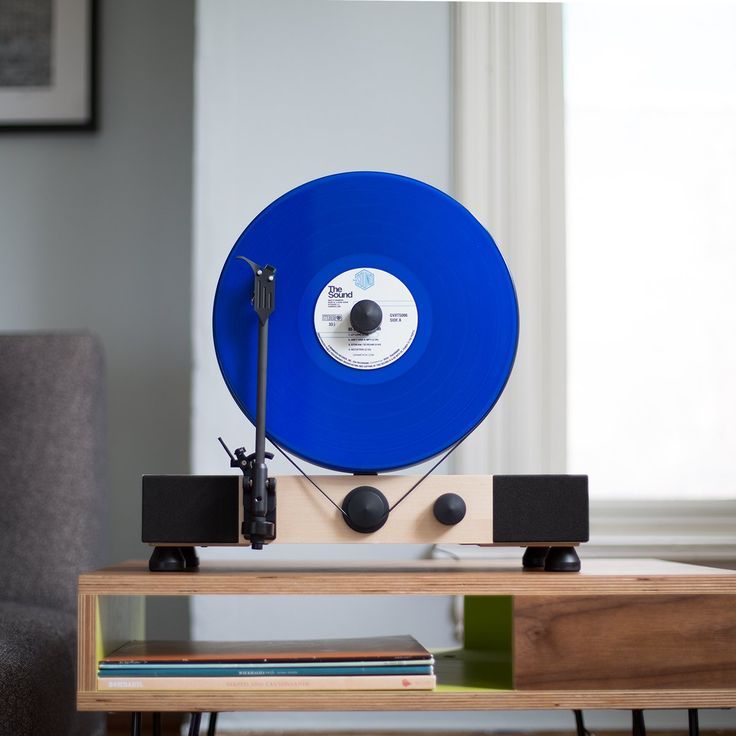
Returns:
point(413, 577)
point(404, 701)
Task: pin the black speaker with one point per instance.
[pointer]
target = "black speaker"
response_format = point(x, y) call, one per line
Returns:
point(540, 508)
point(191, 509)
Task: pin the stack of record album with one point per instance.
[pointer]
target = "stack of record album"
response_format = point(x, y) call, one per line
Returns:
point(366, 663)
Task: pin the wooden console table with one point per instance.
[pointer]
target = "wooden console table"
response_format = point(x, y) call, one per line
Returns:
point(629, 634)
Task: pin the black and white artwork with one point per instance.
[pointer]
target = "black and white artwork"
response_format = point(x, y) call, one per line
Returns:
point(46, 64)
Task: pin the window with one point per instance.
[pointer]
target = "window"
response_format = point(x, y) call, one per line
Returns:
point(650, 104)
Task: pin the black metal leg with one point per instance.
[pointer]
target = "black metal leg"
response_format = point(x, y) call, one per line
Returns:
point(692, 722)
point(156, 724)
point(135, 724)
point(580, 724)
point(212, 726)
point(194, 724)
point(638, 728)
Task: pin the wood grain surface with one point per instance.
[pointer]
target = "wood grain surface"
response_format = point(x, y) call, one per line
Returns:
point(259, 575)
point(624, 642)
point(404, 701)
point(309, 517)
point(669, 589)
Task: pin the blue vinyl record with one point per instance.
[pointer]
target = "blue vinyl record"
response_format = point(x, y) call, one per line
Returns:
point(353, 251)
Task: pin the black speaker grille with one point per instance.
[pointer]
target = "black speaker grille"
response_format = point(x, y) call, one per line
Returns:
point(190, 509)
point(540, 508)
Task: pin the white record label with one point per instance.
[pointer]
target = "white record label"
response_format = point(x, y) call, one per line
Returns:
point(350, 347)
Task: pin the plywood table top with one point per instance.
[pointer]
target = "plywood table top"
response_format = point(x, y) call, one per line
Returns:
point(411, 577)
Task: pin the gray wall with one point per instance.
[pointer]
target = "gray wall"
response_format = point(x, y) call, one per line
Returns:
point(95, 233)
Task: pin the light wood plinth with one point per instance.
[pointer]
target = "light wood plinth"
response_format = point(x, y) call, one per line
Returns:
point(549, 608)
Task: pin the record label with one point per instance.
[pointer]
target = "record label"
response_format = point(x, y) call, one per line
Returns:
point(398, 318)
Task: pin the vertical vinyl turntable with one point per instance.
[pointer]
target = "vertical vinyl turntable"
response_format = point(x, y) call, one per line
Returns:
point(387, 327)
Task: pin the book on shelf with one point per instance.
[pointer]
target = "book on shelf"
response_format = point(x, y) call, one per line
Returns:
point(362, 649)
point(348, 682)
point(365, 663)
point(207, 670)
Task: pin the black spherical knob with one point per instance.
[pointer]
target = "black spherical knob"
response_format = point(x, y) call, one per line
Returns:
point(366, 316)
point(366, 509)
point(449, 509)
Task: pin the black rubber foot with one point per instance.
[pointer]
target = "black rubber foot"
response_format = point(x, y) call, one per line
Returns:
point(562, 559)
point(534, 558)
point(191, 559)
point(167, 559)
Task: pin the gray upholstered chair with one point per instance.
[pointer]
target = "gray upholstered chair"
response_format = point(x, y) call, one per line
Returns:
point(52, 459)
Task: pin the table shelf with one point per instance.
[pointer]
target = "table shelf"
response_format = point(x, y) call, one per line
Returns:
point(677, 619)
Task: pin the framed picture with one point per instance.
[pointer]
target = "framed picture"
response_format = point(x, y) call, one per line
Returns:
point(47, 64)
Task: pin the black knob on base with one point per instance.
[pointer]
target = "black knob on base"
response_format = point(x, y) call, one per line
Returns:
point(366, 509)
point(449, 509)
point(366, 316)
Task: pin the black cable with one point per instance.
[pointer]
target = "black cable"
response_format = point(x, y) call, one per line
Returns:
point(212, 725)
point(309, 479)
point(432, 469)
point(421, 480)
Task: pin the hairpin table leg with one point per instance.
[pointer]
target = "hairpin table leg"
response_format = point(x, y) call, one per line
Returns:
point(692, 722)
point(135, 724)
point(580, 724)
point(638, 728)
point(194, 724)
point(212, 724)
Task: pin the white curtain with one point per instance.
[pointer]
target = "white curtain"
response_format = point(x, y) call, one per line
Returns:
point(509, 171)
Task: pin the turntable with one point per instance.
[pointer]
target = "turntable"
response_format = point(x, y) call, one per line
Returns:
point(364, 322)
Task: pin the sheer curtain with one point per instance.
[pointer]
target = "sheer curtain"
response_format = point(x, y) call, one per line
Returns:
point(509, 171)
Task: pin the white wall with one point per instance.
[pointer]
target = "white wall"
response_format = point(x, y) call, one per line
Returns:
point(285, 92)
point(95, 234)
point(288, 91)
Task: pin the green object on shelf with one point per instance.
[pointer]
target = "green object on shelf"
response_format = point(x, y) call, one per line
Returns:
point(485, 662)
point(489, 623)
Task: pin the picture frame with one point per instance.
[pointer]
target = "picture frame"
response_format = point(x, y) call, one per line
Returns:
point(48, 51)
